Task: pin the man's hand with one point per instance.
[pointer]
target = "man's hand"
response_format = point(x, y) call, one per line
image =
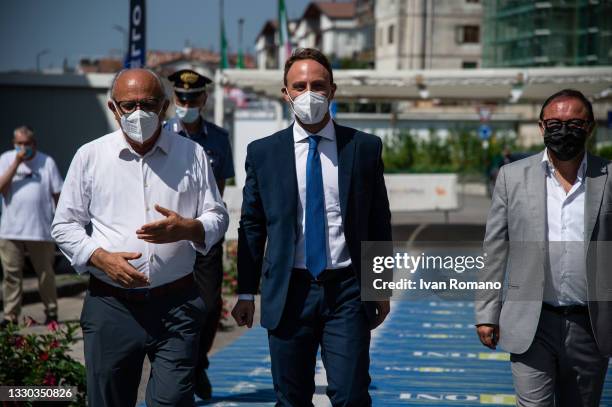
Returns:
point(118, 269)
point(488, 334)
point(382, 310)
point(172, 229)
point(21, 156)
point(243, 312)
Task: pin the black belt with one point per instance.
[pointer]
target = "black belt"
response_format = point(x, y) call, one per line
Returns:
point(327, 275)
point(566, 310)
point(98, 287)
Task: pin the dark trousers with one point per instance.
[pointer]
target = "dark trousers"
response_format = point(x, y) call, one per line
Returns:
point(208, 273)
point(331, 315)
point(562, 367)
point(119, 333)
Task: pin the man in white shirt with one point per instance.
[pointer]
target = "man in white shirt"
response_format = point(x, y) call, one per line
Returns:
point(30, 184)
point(152, 201)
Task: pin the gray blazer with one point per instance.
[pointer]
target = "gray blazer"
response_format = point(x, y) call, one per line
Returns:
point(518, 214)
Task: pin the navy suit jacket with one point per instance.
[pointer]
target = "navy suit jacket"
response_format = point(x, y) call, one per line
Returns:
point(269, 212)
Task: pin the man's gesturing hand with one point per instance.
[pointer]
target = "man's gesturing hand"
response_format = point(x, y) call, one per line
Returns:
point(243, 312)
point(118, 269)
point(488, 334)
point(171, 229)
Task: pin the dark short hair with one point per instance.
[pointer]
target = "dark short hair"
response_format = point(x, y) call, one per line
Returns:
point(570, 93)
point(301, 54)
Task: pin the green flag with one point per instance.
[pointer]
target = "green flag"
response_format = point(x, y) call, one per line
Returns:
point(224, 61)
point(240, 60)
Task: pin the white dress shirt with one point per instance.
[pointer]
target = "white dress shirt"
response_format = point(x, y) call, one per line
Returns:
point(565, 282)
point(115, 189)
point(336, 249)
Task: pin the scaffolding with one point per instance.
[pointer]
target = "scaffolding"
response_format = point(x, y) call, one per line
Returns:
point(519, 33)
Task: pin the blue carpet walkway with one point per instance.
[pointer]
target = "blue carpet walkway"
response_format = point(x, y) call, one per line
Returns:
point(426, 353)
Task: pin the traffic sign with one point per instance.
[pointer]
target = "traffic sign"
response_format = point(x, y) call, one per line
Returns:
point(484, 131)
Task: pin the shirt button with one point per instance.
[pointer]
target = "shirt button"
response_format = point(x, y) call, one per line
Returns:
point(152, 259)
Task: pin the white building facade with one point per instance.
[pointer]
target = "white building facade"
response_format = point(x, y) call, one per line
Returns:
point(428, 34)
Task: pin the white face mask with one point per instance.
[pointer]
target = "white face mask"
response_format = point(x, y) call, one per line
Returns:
point(139, 125)
point(310, 107)
point(188, 114)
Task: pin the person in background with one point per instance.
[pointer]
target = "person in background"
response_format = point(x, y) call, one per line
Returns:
point(30, 184)
point(152, 201)
point(190, 98)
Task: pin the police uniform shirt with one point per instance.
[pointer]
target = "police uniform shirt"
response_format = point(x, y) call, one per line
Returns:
point(216, 144)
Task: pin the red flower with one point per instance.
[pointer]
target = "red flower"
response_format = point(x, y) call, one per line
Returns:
point(52, 326)
point(49, 379)
point(54, 344)
point(43, 356)
point(20, 341)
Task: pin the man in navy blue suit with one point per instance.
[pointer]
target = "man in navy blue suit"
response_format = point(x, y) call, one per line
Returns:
point(313, 192)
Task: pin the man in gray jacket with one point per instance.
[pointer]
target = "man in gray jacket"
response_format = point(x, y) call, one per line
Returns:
point(550, 218)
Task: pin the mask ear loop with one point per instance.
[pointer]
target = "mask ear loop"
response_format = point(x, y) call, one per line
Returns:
point(291, 104)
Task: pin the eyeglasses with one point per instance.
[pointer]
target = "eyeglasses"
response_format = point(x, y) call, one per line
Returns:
point(556, 124)
point(129, 106)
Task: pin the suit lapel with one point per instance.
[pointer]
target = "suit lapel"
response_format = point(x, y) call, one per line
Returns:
point(346, 153)
point(535, 184)
point(596, 176)
point(288, 190)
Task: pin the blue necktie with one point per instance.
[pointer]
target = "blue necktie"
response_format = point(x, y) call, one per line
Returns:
point(316, 255)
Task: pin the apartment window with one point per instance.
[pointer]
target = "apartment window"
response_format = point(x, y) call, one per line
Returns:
point(469, 65)
point(390, 34)
point(468, 34)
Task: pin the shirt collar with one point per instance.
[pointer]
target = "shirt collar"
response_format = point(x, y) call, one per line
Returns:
point(163, 143)
point(548, 166)
point(177, 126)
point(328, 132)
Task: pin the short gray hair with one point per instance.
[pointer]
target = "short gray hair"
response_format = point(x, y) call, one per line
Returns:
point(27, 130)
point(121, 72)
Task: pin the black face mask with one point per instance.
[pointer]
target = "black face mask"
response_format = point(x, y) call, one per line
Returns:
point(565, 143)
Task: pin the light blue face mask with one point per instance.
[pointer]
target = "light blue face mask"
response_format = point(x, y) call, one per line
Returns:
point(188, 114)
point(28, 150)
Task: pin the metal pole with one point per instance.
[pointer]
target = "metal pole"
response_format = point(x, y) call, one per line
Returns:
point(240, 28)
point(219, 109)
point(38, 55)
point(219, 98)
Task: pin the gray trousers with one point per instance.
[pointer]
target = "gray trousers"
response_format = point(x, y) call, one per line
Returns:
point(562, 367)
point(118, 334)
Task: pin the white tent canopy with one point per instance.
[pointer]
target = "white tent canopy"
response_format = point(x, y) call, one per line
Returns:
point(530, 84)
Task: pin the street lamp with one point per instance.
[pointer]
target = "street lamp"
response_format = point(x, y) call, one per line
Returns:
point(124, 33)
point(38, 55)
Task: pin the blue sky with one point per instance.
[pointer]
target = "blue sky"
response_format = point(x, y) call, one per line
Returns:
point(84, 28)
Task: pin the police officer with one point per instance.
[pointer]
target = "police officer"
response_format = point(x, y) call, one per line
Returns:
point(189, 98)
